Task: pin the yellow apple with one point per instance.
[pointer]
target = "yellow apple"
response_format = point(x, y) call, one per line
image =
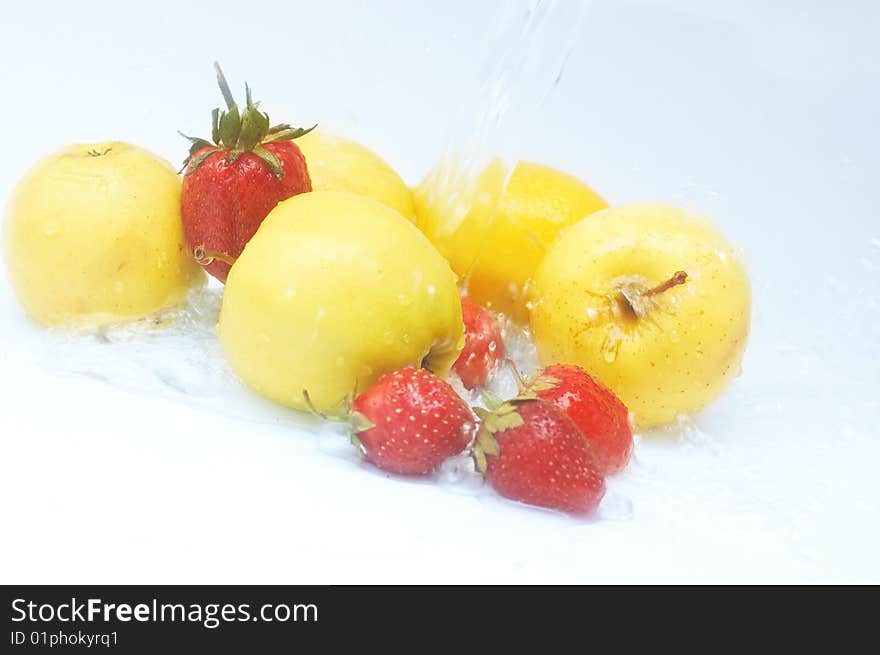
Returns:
point(496, 229)
point(338, 164)
point(651, 300)
point(334, 290)
point(93, 236)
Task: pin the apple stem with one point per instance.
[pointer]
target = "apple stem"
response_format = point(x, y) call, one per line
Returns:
point(204, 257)
point(680, 277)
point(635, 301)
point(96, 153)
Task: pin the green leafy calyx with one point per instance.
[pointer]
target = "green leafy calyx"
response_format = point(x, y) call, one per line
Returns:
point(236, 132)
point(500, 416)
point(542, 382)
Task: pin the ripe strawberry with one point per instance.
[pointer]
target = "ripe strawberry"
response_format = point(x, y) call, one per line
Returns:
point(231, 184)
point(530, 451)
point(483, 347)
point(595, 410)
point(410, 420)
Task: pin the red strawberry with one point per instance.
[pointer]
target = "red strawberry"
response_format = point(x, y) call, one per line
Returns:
point(483, 347)
point(530, 451)
point(414, 421)
point(231, 184)
point(595, 410)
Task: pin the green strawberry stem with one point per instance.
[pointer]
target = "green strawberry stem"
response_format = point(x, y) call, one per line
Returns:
point(520, 383)
point(355, 420)
point(236, 132)
point(224, 88)
point(314, 410)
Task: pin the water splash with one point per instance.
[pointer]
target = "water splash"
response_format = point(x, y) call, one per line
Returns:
point(177, 355)
point(522, 63)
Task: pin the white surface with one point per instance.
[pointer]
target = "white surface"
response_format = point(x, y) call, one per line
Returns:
point(763, 116)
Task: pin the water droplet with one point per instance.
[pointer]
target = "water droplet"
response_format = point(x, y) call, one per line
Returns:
point(119, 285)
point(616, 507)
point(609, 351)
point(492, 346)
point(404, 299)
point(318, 316)
point(388, 336)
point(340, 361)
point(674, 336)
point(611, 345)
point(405, 338)
point(50, 229)
point(456, 470)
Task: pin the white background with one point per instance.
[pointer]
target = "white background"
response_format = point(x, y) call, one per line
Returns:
point(762, 114)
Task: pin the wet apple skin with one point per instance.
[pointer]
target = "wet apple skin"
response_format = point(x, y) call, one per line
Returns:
point(334, 290)
point(686, 350)
point(92, 235)
point(496, 228)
